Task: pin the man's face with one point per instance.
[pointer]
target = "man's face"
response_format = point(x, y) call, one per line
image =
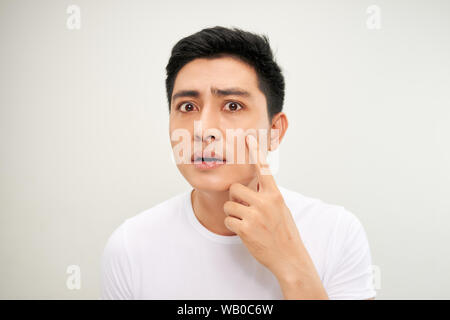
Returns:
point(197, 96)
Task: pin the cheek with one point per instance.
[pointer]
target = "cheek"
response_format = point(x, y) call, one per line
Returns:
point(176, 123)
point(238, 172)
point(179, 133)
point(243, 174)
point(236, 149)
point(253, 117)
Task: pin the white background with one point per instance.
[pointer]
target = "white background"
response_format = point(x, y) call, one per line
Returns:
point(84, 128)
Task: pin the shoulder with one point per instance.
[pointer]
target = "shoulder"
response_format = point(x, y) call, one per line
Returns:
point(118, 261)
point(314, 209)
point(115, 245)
point(331, 226)
point(158, 216)
point(147, 222)
point(337, 238)
point(116, 280)
point(149, 227)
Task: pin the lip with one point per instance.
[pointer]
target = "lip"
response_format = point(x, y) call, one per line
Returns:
point(205, 165)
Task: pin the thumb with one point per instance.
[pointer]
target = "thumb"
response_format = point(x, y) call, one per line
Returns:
point(253, 184)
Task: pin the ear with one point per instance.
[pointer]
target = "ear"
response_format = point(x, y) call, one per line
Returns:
point(278, 130)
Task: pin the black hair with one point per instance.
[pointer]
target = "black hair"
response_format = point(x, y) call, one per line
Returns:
point(219, 41)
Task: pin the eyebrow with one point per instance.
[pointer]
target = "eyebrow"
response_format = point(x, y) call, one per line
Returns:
point(235, 91)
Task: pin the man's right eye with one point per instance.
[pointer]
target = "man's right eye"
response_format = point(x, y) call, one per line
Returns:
point(186, 107)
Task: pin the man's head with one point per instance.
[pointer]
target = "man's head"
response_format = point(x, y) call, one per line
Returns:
point(224, 79)
point(220, 41)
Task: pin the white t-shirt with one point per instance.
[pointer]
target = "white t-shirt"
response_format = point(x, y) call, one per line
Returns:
point(166, 253)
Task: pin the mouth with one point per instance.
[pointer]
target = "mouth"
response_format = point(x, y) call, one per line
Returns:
point(203, 157)
point(207, 161)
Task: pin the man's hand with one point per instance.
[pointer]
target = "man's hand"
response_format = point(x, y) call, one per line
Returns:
point(265, 224)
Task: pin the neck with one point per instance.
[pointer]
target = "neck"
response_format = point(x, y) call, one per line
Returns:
point(208, 208)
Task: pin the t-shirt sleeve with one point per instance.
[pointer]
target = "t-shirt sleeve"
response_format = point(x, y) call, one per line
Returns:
point(351, 275)
point(116, 268)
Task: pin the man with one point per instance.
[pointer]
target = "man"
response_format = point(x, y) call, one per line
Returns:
point(236, 234)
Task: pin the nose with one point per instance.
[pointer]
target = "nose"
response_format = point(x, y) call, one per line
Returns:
point(209, 123)
point(209, 138)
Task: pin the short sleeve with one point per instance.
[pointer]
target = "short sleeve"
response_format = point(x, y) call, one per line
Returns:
point(116, 268)
point(351, 275)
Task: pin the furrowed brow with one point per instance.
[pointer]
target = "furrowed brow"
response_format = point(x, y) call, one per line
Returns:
point(215, 91)
point(186, 93)
point(230, 92)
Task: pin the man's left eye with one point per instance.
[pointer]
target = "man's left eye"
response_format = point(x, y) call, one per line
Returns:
point(233, 106)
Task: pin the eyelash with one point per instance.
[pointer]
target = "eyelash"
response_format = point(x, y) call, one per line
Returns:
point(238, 103)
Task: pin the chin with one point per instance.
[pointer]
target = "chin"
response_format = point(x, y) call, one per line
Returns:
point(208, 183)
point(218, 181)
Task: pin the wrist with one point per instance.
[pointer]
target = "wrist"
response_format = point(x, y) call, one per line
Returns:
point(303, 289)
point(301, 283)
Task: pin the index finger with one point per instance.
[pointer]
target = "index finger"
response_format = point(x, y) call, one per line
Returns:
point(259, 160)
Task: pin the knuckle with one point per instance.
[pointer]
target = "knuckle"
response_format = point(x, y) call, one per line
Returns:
point(233, 188)
point(259, 202)
point(252, 214)
point(236, 186)
point(245, 229)
point(276, 196)
point(227, 222)
point(228, 205)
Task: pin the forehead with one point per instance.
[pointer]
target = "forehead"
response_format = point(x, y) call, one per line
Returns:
point(201, 74)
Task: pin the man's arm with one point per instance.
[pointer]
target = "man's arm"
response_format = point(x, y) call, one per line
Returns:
point(116, 268)
point(350, 276)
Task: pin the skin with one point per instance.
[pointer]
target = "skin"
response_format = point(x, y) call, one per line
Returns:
point(241, 198)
